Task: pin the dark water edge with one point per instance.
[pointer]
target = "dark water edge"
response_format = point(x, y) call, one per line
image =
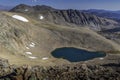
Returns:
point(76, 55)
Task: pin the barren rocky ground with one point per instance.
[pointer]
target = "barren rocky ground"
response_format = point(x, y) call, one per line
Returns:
point(109, 70)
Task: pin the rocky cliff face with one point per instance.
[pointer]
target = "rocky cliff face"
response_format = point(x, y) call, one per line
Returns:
point(67, 16)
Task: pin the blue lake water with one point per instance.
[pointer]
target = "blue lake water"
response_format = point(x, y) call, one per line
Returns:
point(76, 55)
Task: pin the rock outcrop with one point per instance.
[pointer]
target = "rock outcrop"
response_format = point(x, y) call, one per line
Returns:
point(4, 62)
point(64, 72)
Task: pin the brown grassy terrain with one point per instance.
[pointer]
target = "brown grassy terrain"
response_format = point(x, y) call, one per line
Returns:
point(16, 35)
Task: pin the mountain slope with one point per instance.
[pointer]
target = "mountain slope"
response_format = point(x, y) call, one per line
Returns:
point(65, 17)
point(112, 34)
point(30, 42)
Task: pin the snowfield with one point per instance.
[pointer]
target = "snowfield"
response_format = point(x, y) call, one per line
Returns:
point(21, 18)
point(26, 10)
point(27, 48)
point(45, 58)
point(28, 53)
point(32, 44)
point(32, 57)
point(101, 58)
point(41, 17)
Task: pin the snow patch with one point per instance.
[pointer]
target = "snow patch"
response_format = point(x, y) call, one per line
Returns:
point(21, 18)
point(32, 44)
point(45, 58)
point(28, 53)
point(27, 48)
point(32, 57)
point(26, 10)
point(101, 58)
point(41, 17)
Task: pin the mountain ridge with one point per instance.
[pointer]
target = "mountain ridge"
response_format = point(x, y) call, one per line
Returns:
point(105, 13)
point(67, 16)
